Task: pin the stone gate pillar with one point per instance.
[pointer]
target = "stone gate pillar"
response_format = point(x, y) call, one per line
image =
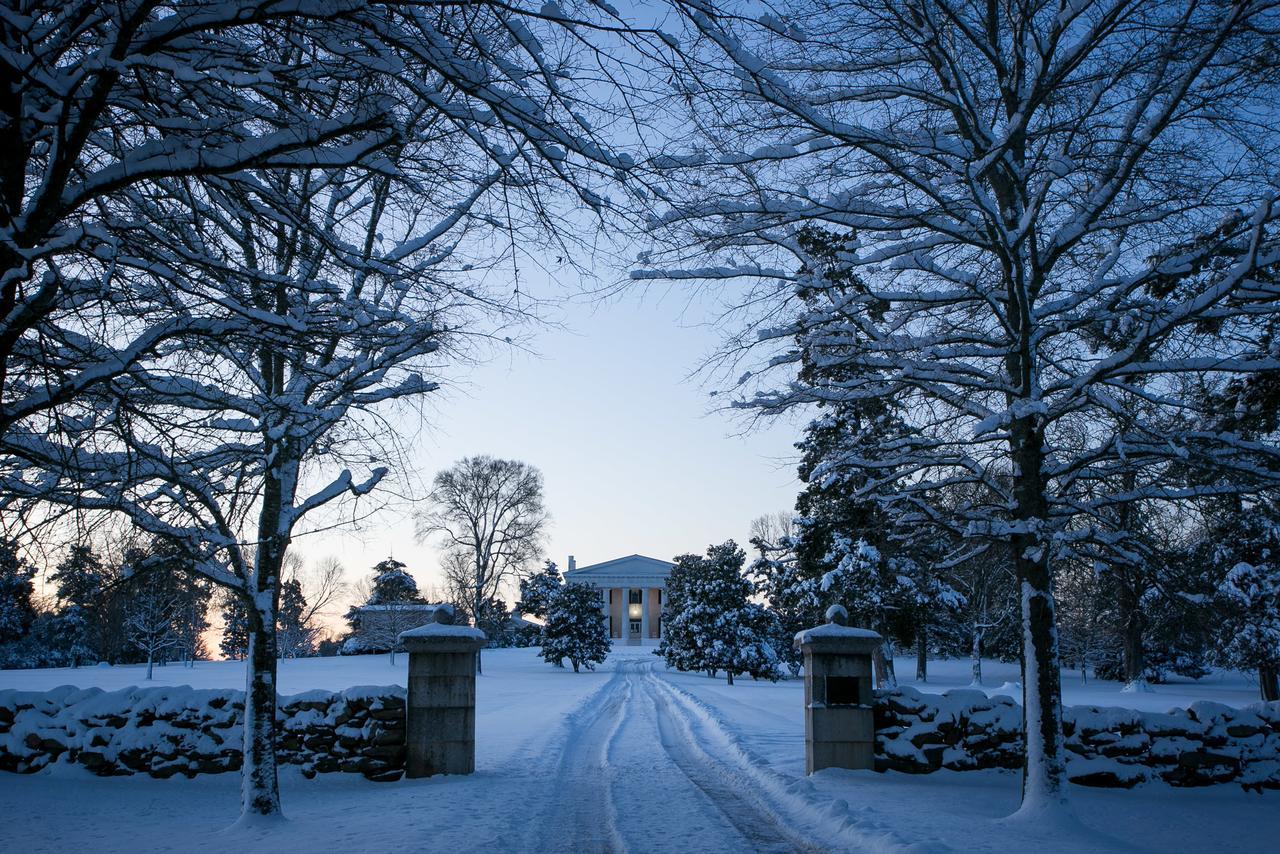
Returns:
point(839, 727)
point(441, 711)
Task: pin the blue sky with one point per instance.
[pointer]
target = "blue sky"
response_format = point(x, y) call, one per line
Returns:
point(634, 454)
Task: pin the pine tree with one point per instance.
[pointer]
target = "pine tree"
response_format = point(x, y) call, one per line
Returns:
point(392, 584)
point(81, 580)
point(235, 628)
point(873, 592)
point(575, 627)
point(392, 590)
point(710, 623)
point(1250, 596)
point(792, 599)
point(538, 590)
point(296, 637)
point(70, 633)
point(679, 646)
point(17, 613)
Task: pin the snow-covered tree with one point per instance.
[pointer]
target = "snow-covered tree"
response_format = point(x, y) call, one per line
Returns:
point(1035, 221)
point(537, 591)
point(867, 585)
point(575, 627)
point(17, 612)
point(392, 583)
point(708, 621)
point(391, 607)
point(989, 601)
point(82, 581)
point(792, 598)
point(232, 230)
point(152, 615)
point(1250, 596)
point(490, 515)
point(297, 638)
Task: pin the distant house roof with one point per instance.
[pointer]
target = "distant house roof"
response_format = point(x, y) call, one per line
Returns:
point(426, 607)
point(636, 569)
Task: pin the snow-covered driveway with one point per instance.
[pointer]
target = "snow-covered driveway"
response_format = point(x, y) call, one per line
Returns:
point(632, 757)
point(634, 772)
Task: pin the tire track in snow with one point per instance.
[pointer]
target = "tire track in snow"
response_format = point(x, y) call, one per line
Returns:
point(633, 744)
point(761, 829)
point(580, 815)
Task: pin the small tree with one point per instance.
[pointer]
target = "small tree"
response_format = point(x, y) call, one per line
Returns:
point(296, 637)
point(710, 624)
point(775, 573)
point(153, 614)
point(575, 627)
point(235, 628)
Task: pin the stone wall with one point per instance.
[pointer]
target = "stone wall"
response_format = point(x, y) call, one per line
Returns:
point(965, 729)
point(181, 730)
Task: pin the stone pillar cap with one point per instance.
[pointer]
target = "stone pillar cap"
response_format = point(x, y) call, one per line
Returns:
point(442, 637)
point(835, 638)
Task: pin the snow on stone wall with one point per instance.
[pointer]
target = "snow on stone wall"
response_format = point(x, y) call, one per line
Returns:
point(963, 730)
point(181, 730)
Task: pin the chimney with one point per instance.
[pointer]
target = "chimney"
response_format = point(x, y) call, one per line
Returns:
point(572, 564)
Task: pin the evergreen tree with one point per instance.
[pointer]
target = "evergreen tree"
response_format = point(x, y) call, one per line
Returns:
point(392, 584)
point(871, 590)
point(792, 598)
point(575, 627)
point(296, 638)
point(17, 613)
point(538, 590)
point(679, 646)
point(391, 590)
point(81, 581)
point(1250, 596)
point(235, 628)
point(69, 637)
point(710, 624)
point(495, 621)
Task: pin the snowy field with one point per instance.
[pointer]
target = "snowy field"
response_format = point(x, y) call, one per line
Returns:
point(628, 758)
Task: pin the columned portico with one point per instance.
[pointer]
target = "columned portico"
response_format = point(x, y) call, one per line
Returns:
point(644, 613)
point(632, 590)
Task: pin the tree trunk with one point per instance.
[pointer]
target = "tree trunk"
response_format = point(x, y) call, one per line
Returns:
point(259, 785)
point(729, 675)
point(882, 661)
point(149, 664)
point(1269, 682)
point(1135, 665)
point(392, 653)
point(575, 664)
point(975, 655)
point(922, 654)
point(1044, 775)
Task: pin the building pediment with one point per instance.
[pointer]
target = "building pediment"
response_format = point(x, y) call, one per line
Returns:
point(637, 570)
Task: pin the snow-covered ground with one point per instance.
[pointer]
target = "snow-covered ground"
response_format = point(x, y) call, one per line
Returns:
point(630, 757)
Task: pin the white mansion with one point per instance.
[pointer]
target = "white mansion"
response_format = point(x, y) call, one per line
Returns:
point(632, 590)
